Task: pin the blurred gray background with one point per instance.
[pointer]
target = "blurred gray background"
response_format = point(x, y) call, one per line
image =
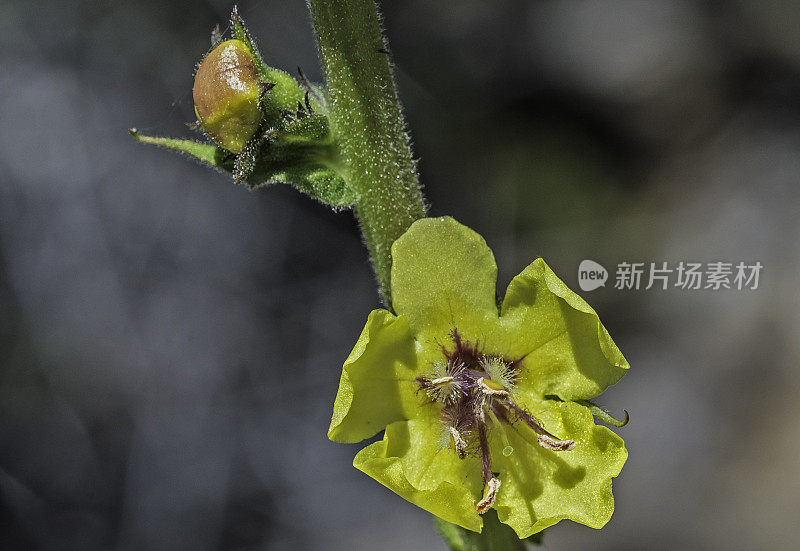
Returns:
point(170, 344)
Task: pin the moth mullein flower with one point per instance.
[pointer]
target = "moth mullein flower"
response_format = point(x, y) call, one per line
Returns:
point(482, 407)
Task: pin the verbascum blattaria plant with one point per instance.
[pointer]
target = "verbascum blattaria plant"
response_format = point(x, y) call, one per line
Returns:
point(485, 408)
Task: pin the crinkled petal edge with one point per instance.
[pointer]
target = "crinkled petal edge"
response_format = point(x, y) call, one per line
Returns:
point(446, 500)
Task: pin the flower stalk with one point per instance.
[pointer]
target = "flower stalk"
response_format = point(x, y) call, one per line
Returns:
point(367, 123)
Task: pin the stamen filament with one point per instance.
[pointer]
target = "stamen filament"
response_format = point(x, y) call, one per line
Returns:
point(486, 455)
point(527, 418)
point(546, 440)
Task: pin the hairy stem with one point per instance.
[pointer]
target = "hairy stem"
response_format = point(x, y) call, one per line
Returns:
point(368, 124)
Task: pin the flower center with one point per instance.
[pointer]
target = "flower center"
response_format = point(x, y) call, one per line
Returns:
point(476, 392)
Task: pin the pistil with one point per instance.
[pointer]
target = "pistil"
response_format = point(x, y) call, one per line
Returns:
point(508, 449)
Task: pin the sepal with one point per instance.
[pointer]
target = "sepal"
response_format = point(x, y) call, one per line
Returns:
point(291, 158)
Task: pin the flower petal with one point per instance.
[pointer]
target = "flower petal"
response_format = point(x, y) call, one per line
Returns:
point(567, 352)
point(443, 275)
point(540, 487)
point(411, 462)
point(376, 387)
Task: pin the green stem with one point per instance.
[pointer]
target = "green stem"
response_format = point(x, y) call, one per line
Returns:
point(368, 124)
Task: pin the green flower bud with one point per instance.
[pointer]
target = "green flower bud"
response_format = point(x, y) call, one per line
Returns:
point(226, 95)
